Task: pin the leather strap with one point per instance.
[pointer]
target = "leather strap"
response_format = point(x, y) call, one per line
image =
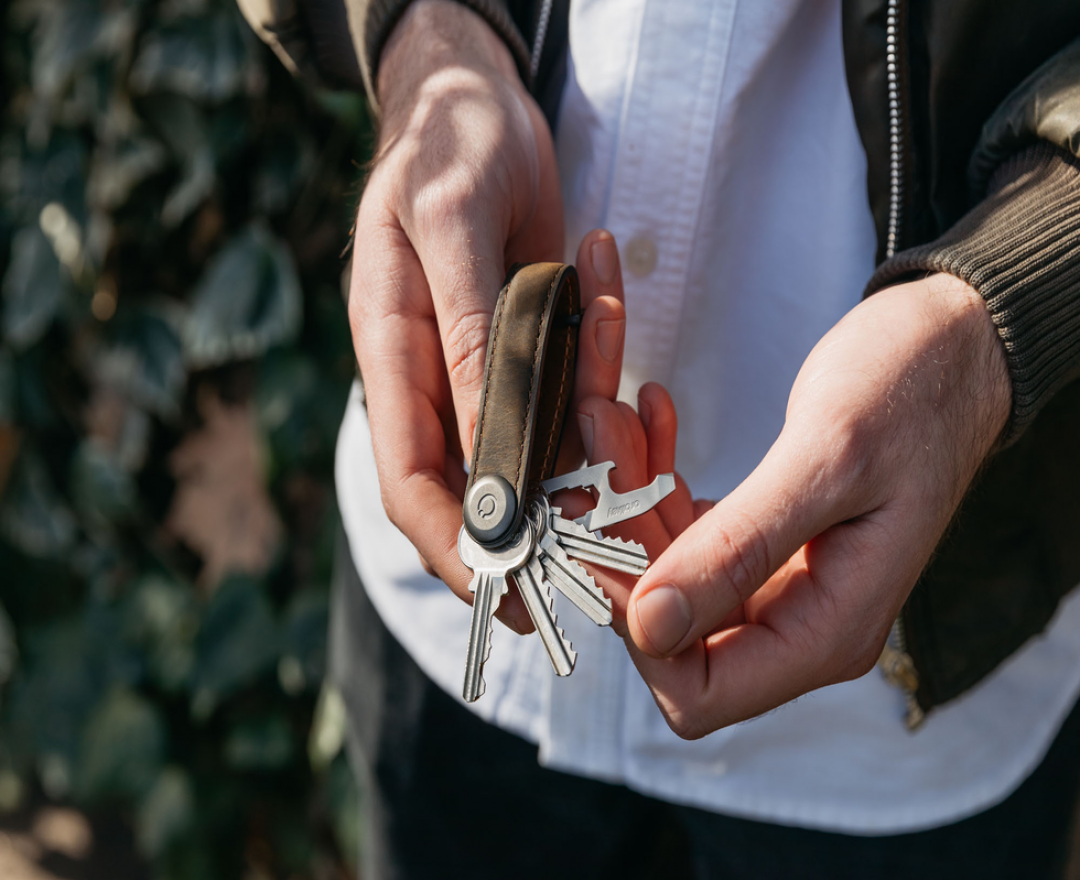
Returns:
point(528, 379)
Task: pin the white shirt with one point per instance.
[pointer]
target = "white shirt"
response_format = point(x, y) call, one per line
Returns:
point(716, 141)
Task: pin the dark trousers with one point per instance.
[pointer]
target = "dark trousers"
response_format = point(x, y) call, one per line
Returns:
point(446, 795)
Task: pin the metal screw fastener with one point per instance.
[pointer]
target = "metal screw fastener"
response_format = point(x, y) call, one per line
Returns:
point(489, 509)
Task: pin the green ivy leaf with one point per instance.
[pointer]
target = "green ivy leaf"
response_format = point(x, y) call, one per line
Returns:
point(32, 515)
point(122, 748)
point(181, 123)
point(117, 168)
point(33, 289)
point(103, 490)
point(238, 642)
point(247, 301)
point(146, 361)
point(8, 387)
point(9, 649)
point(162, 618)
point(264, 743)
point(166, 814)
point(69, 37)
point(306, 620)
point(205, 58)
point(67, 666)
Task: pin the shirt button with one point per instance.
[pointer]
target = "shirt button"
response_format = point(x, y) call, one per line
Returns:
point(640, 256)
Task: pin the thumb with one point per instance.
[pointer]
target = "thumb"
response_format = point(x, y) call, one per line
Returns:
point(721, 560)
point(464, 268)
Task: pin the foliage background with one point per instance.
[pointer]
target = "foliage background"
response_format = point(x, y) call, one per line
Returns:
point(173, 366)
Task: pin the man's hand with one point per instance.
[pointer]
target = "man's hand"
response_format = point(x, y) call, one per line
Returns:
point(464, 184)
point(793, 581)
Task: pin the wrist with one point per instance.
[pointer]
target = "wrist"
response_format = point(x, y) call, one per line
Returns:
point(437, 37)
point(977, 348)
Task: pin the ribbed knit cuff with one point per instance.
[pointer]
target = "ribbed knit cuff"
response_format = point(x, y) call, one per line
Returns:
point(376, 19)
point(1020, 249)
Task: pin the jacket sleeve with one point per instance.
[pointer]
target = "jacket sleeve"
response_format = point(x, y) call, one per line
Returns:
point(310, 37)
point(1019, 247)
point(338, 42)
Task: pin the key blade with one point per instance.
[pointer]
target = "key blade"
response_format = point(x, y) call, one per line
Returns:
point(488, 595)
point(532, 586)
point(614, 553)
point(612, 507)
point(574, 582)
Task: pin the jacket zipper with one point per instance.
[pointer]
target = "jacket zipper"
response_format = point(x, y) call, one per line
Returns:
point(542, 23)
point(899, 670)
point(896, 127)
point(895, 661)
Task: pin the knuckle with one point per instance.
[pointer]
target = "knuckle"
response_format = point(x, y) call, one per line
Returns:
point(857, 658)
point(389, 499)
point(738, 556)
point(444, 201)
point(465, 348)
point(849, 465)
point(684, 724)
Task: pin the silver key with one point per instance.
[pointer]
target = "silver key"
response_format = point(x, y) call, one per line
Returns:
point(612, 507)
point(573, 581)
point(562, 572)
point(579, 542)
point(532, 586)
point(490, 568)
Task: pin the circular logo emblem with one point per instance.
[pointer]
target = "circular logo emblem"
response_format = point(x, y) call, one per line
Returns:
point(485, 507)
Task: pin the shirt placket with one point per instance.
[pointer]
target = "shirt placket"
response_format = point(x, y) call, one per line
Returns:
point(664, 125)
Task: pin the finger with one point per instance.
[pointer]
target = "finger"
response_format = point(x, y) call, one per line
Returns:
point(600, 339)
point(727, 554)
point(400, 355)
point(613, 429)
point(463, 266)
point(702, 506)
point(603, 328)
point(657, 413)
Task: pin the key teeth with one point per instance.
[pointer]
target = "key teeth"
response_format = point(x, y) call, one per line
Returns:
point(587, 583)
point(576, 529)
point(570, 652)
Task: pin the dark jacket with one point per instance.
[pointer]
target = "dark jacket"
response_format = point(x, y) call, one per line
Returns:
point(970, 115)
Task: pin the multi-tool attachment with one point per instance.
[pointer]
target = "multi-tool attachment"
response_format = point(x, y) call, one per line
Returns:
point(510, 530)
point(611, 506)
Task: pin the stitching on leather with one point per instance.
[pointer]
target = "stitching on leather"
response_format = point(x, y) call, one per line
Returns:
point(562, 401)
point(534, 378)
point(484, 401)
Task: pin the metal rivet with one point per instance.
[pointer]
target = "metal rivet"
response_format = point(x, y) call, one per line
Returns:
point(489, 509)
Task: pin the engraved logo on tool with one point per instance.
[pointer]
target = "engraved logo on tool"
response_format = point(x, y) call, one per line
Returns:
point(623, 509)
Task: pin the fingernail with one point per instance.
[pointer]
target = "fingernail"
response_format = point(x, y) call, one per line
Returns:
point(664, 614)
point(585, 424)
point(605, 260)
point(609, 337)
point(644, 413)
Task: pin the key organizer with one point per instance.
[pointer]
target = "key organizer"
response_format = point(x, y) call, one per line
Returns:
point(510, 530)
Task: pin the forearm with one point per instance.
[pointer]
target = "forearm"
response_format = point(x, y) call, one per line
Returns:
point(437, 38)
point(375, 24)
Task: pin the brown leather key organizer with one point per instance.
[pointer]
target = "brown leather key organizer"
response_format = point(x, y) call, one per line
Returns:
point(528, 379)
point(513, 532)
